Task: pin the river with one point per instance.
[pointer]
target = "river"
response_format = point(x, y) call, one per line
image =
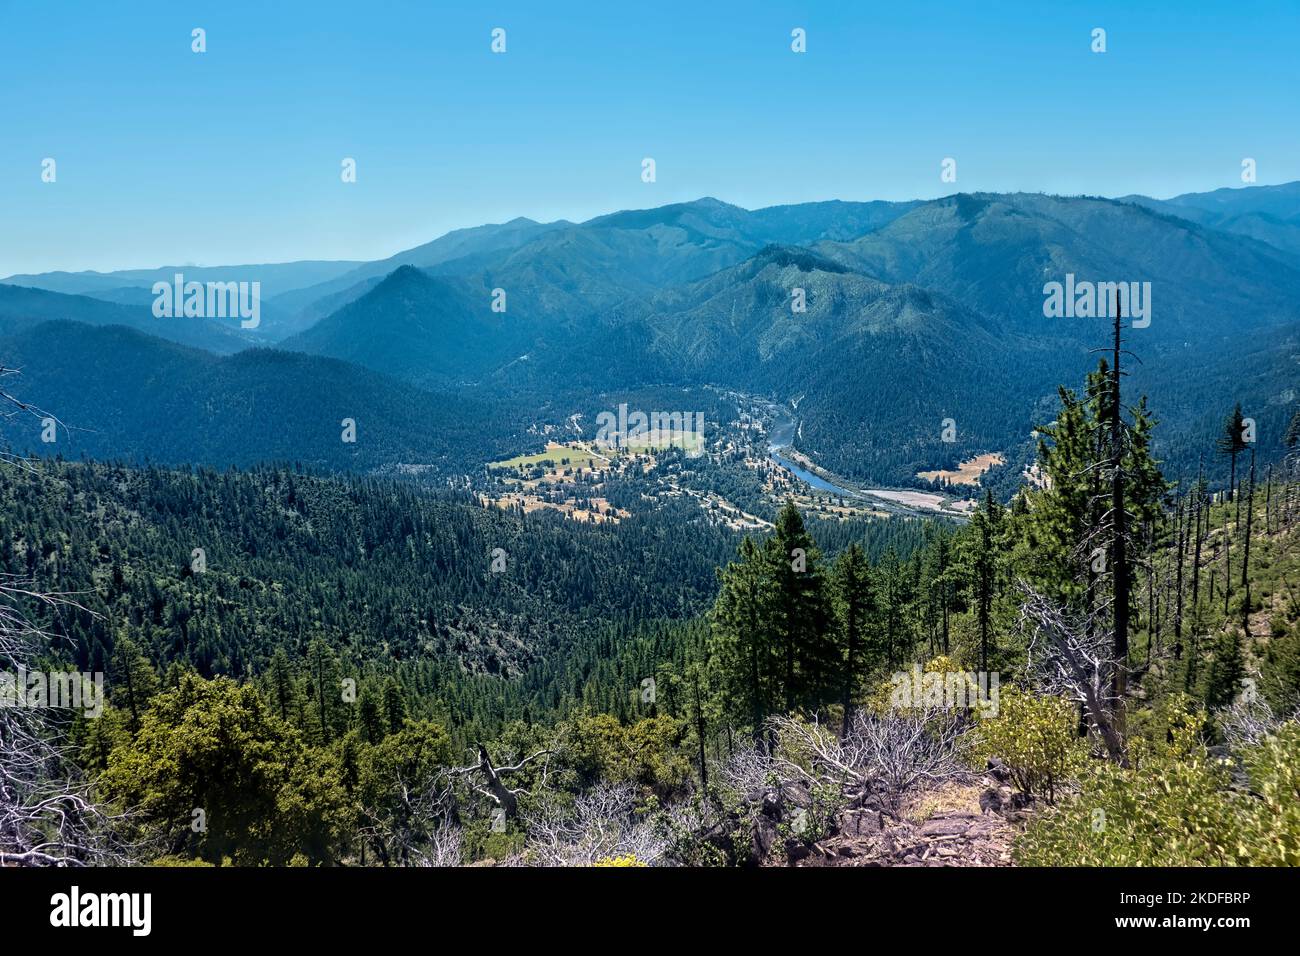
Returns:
point(780, 439)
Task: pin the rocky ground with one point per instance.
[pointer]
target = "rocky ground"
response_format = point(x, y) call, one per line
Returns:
point(959, 834)
point(960, 824)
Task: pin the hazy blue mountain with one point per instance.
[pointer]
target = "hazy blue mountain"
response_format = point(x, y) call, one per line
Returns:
point(437, 331)
point(276, 278)
point(874, 368)
point(22, 308)
point(805, 223)
point(134, 287)
point(1268, 213)
point(421, 328)
point(274, 322)
point(137, 296)
point(995, 253)
point(575, 267)
point(125, 395)
point(935, 311)
point(568, 267)
point(309, 306)
point(915, 312)
point(1281, 201)
point(338, 291)
point(638, 251)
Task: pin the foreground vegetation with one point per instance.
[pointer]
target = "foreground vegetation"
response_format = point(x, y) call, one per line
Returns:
point(342, 673)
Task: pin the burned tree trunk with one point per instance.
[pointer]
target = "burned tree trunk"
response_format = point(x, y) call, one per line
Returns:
point(1178, 583)
point(1245, 554)
point(1119, 542)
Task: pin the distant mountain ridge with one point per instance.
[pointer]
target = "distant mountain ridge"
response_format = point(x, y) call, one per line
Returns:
point(882, 319)
point(1268, 213)
point(22, 307)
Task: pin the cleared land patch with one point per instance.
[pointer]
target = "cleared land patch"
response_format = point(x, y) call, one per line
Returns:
point(966, 473)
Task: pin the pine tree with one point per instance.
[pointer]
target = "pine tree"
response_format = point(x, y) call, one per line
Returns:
point(802, 613)
point(282, 689)
point(133, 679)
point(394, 706)
point(744, 639)
point(1232, 442)
point(987, 526)
point(1066, 512)
point(1245, 555)
point(855, 610)
point(323, 668)
point(1292, 436)
point(369, 721)
point(1226, 669)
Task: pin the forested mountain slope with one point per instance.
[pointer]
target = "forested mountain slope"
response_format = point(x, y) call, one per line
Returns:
point(119, 394)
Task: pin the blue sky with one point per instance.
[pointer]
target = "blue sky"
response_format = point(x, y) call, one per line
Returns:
point(169, 157)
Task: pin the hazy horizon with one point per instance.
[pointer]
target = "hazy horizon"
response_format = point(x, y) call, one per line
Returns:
point(579, 222)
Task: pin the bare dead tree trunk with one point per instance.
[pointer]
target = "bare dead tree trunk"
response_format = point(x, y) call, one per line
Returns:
point(1119, 554)
point(1178, 584)
point(756, 687)
point(1268, 500)
point(1152, 624)
point(1245, 555)
point(1227, 563)
point(700, 729)
point(1201, 509)
point(1077, 663)
point(946, 602)
point(48, 814)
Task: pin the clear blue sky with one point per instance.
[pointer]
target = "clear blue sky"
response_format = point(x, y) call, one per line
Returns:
point(170, 157)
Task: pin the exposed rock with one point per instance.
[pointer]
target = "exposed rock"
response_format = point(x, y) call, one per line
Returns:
point(998, 770)
point(1019, 801)
point(860, 823)
point(796, 850)
point(946, 826)
point(991, 801)
point(796, 794)
point(949, 827)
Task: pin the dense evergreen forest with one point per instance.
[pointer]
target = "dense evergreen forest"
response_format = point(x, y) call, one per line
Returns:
point(321, 670)
point(477, 614)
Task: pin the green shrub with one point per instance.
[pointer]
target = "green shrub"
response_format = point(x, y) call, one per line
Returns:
point(178, 861)
point(1037, 738)
point(1273, 825)
point(1176, 808)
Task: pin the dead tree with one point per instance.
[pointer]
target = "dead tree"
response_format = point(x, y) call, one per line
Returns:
point(601, 824)
point(1227, 563)
point(48, 816)
point(415, 824)
point(1119, 540)
point(1180, 557)
point(493, 787)
point(893, 753)
point(1201, 508)
point(1245, 554)
point(1069, 656)
point(1268, 500)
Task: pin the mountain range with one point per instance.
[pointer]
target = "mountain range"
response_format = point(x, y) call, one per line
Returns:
point(912, 313)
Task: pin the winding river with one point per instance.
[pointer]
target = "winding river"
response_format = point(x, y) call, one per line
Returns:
point(779, 441)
